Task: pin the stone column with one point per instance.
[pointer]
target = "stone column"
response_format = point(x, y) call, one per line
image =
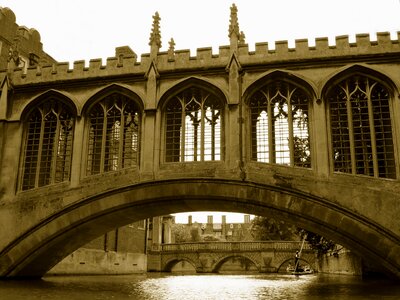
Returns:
point(234, 137)
point(320, 133)
point(77, 166)
point(10, 147)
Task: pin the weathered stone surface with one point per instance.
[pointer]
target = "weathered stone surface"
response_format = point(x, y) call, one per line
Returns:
point(39, 227)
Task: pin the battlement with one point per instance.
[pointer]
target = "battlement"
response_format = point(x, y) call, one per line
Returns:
point(125, 60)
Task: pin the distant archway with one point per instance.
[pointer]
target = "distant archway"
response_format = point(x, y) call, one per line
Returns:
point(240, 263)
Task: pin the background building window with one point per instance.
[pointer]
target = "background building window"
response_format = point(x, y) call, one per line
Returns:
point(113, 134)
point(361, 130)
point(193, 126)
point(280, 125)
point(48, 145)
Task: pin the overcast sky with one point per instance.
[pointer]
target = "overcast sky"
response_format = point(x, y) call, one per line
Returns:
point(87, 29)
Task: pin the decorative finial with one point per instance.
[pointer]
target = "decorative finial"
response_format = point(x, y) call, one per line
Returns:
point(171, 49)
point(155, 36)
point(233, 22)
point(171, 45)
point(242, 38)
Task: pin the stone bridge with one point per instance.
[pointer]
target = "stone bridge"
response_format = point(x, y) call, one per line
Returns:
point(309, 134)
point(208, 257)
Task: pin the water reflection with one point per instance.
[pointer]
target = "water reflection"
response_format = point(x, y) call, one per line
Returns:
point(173, 287)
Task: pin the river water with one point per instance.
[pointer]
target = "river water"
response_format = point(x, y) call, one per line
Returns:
point(157, 286)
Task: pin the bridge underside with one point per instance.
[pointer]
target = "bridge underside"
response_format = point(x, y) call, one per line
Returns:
point(33, 253)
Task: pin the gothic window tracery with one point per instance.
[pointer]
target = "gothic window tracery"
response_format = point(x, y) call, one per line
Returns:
point(280, 125)
point(361, 130)
point(113, 141)
point(193, 126)
point(48, 144)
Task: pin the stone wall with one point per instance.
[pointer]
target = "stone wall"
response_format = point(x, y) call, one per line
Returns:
point(120, 251)
point(96, 262)
point(344, 263)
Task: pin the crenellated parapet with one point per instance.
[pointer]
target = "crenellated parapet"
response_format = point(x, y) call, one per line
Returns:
point(127, 64)
point(322, 50)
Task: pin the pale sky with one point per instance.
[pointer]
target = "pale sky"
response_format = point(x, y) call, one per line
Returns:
point(86, 29)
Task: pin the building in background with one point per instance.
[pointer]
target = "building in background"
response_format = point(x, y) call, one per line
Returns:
point(20, 45)
point(210, 231)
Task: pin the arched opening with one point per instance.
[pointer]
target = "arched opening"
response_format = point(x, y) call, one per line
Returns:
point(53, 238)
point(236, 264)
point(180, 266)
point(280, 110)
point(360, 119)
point(48, 140)
point(288, 265)
point(113, 130)
point(193, 121)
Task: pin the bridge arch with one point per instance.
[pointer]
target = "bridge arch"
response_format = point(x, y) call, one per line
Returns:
point(281, 266)
point(50, 239)
point(218, 264)
point(169, 264)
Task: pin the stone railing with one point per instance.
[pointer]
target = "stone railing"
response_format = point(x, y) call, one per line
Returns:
point(234, 246)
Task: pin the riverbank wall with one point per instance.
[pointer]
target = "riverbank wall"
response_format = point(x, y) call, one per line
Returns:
point(341, 262)
point(97, 262)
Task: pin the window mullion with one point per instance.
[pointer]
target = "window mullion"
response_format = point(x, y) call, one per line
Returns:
point(40, 149)
point(351, 130)
point(372, 130)
point(183, 133)
point(121, 139)
point(290, 127)
point(213, 122)
point(103, 142)
point(202, 132)
point(53, 166)
point(271, 146)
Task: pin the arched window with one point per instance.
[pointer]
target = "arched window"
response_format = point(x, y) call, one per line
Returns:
point(193, 126)
point(280, 125)
point(361, 130)
point(48, 144)
point(113, 134)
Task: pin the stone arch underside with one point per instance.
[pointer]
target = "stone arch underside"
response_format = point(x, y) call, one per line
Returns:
point(254, 258)
point(170, 262)
point(36, 251)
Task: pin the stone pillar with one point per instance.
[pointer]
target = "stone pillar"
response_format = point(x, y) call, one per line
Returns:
point(234, 141)
point(156, 233)
point(223, 226)
point(11, 140)
point(78, 156)
point(167, 229)
point(147, 150)
point(246, 219)
point(321, 146)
